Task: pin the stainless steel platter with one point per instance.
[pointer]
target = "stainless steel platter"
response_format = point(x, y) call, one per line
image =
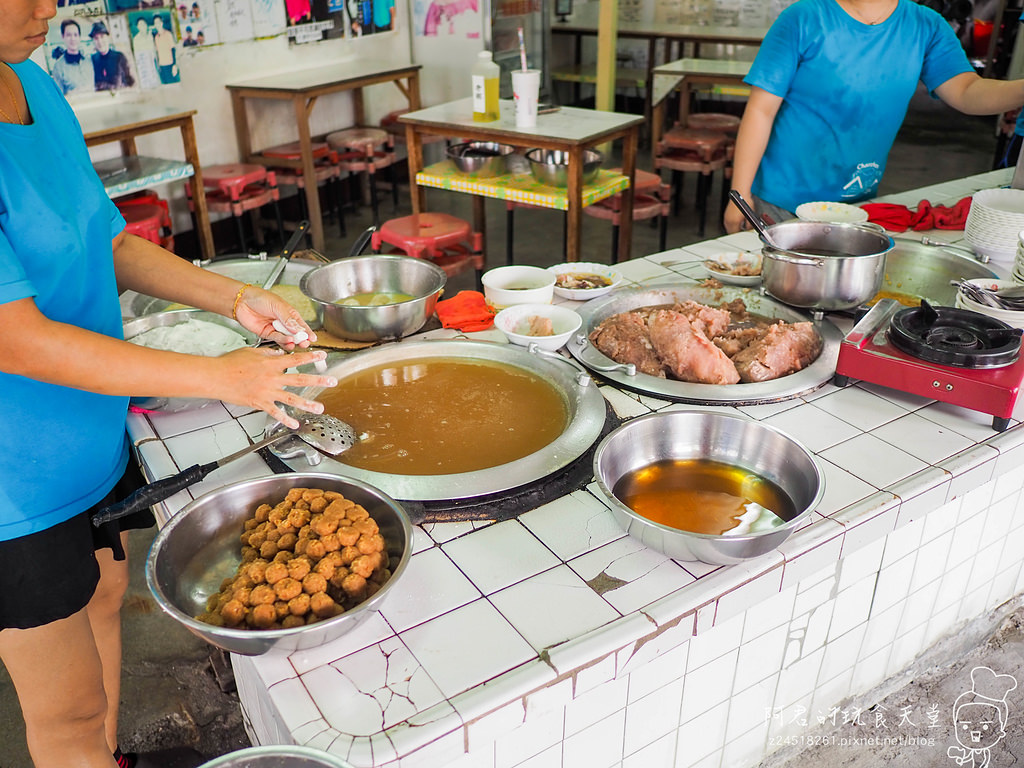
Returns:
point(923, 271)
point(669, 291)
point(585, 404)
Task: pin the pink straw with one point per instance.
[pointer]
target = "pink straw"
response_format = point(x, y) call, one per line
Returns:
point(522, 49)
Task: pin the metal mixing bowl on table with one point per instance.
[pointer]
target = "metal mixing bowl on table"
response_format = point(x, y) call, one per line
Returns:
point(199, 547)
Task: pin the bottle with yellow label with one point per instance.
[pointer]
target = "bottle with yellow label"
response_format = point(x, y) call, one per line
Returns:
point(485, 88)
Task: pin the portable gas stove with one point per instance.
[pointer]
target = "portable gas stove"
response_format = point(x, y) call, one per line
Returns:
point(952, 355)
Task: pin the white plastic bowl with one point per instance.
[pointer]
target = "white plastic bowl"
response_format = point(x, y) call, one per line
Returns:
point(565, 322)
point(842, 213)
point(585, 268)
point(507, 286)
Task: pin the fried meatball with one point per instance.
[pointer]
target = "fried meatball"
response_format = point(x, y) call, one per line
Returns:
point(367, 526)
point(339, 506)
point(331, 542)
point(249, 524)
point(261, 512)
point(288, 588)
point(363, 565)
point(280, 610)
point(314, 583)
point(357, 513)
point(348, 535)
point(283, 555)
point(323, 605)
point(312, 493)
point(367, 545)
point(291, 622)
point(354, 586)
point(257, 571)
point(323, 525)
point(268, 549)
point(299, 605)
point(298, 567)
point(315, 549)
point(298, 518)
point(318, 504)
point(274, 534)
point(241, 594)
point(249, 554)
point(261, 595)
point(276, 572)
point(233, 613)
point(264, 616)
point(294, 494)
point(325, 568)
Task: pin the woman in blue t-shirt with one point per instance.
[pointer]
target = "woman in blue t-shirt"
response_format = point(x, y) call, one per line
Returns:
point(829, 90)
point(65, 378)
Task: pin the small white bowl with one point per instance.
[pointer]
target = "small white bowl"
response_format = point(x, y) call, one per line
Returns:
point(506, 286)
point(731, 259)
point(585, 268)
point(835, 213)
point(513, 322)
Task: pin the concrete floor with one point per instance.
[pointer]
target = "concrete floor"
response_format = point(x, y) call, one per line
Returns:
point(176, 693)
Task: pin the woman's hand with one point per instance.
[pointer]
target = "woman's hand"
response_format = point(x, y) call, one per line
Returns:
point(257, 378)
point(734, 220)
point(257, 309)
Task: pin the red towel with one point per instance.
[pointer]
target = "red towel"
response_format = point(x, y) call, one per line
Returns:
point(899, 218)
point(466, 311)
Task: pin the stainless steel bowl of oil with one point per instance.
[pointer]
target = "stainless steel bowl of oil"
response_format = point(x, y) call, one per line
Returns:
point(706, 486)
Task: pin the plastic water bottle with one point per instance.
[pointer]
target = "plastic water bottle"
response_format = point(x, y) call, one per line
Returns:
point(485, 88)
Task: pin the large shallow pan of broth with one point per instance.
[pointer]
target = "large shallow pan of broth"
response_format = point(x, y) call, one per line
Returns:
point(914, 271)
point(444, 420)
point(669, 292)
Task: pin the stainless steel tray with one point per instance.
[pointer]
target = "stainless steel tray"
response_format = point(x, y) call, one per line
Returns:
point(669, 291)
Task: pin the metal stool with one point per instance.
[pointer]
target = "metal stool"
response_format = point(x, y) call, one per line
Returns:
point(684, 150)
point(447, 241)
point(651, 199)
point(238, 187)
point(326, 170)
point(357, 152)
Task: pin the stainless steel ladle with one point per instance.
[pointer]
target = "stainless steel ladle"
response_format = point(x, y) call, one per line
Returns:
point(325, 433)
point(751, 215)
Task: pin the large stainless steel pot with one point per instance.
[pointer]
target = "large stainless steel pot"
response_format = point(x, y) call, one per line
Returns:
point(586, 418)
point(823, 266)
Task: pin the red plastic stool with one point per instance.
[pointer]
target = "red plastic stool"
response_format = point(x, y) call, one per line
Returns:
point(146, 221)
point(651, 199)
point(366, 150)
point(325, 167)
point(239, 187)
point(149, 197)
point(445, 240)
point(684, 150)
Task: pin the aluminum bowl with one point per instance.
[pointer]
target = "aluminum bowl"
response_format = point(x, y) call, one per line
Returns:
point(277, 757)
point(198, 548)
point(328, 283)
point(135, 326)
point(551, 166)
point(481, 158)
point(732, 440)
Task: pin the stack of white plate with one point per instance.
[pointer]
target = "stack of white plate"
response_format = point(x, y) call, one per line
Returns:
point(1018, 261)
point(995, 222)
point(1010, 317)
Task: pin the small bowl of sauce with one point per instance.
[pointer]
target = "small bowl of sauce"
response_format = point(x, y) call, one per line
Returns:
point(506, 286)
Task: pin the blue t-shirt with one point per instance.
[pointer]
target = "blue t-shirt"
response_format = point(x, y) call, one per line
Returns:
point(845, 87)
point(61, 449)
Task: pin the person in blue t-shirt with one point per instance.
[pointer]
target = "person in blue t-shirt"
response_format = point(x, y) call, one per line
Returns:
point(65, 378)
point(830, 87)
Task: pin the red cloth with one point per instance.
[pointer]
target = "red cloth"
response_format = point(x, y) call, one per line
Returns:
point(899, 218)
point(466, 311)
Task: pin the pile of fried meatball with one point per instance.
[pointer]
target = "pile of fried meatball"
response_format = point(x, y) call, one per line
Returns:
point(313, 556)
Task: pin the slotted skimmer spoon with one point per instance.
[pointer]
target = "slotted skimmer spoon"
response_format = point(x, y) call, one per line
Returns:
point(325, 433)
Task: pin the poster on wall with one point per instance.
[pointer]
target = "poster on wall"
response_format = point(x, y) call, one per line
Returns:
point(268, 18)
point(446, 18)
point(197, 23)
point(234, 20)
point(153, 34)
point(144, 48)
point(370, 17)
point(90, 53)
point(310, 21)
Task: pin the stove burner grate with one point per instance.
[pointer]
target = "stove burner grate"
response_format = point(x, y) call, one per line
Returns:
point(955, 337)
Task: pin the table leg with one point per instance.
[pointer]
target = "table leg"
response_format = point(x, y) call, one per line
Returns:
point(480, 222)
point(684, 100)
point(657, 127)
point(574, 214)
point(629, 142)
point(414, 145)
point(204, 233)
point(316, 221)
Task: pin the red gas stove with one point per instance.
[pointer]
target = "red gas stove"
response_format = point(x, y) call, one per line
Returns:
point(952, 355)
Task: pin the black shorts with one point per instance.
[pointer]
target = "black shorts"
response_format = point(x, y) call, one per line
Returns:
point(52, 574)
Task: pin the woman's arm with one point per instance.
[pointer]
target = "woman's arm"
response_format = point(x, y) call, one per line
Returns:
point(974, 95)
point(755, 129)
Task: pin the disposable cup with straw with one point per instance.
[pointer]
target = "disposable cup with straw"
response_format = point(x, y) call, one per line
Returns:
point(525, 89)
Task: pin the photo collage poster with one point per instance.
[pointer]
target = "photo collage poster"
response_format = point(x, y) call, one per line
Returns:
point(90, 51)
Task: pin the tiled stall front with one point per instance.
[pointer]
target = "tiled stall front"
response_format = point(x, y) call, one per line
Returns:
point(556, 640)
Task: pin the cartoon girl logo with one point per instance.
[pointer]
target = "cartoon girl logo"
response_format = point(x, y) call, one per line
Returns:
point(979, 717)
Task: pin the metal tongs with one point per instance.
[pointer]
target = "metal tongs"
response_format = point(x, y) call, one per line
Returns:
point(1011, 298)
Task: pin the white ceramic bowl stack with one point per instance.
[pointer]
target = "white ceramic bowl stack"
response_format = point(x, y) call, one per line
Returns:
point(1011, 317)
point(994, 223)
point(1018, 261)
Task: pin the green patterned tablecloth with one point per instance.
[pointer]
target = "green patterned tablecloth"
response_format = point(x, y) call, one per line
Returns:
point(519, 187)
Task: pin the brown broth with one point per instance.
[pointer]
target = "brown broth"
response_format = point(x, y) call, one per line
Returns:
point(436, 416)
point(699, 495)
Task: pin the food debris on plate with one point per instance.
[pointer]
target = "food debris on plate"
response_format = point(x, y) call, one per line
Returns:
point(535, 325)
point(739, 268)
point(581, 281)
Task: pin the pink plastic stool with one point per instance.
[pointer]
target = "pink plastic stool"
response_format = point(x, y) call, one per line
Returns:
point(235, 188)
point(447, 241)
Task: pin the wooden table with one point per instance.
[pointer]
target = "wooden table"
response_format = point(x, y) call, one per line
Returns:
point(570, 129)
point(123, 123)
point(303, 88)
point(584, 23)
point(683, 74)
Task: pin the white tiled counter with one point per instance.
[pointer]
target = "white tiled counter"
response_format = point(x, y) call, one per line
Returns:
point(554, 639)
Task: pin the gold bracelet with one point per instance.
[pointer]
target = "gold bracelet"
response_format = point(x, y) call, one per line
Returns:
point(238, 298)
